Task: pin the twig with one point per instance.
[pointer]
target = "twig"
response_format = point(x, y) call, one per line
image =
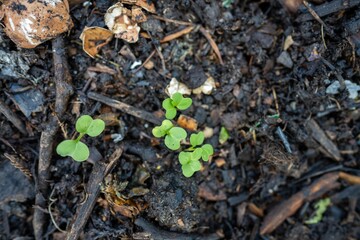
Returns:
point(4, 109)
point(177, 34)
point(63, 92)
point(159, 53)
point(147, 60)
point(125, 108)
point(283, 138)
point(19, 164)
point(317, 18)
point(100, 170)
point(173, 21)
point(212, 44)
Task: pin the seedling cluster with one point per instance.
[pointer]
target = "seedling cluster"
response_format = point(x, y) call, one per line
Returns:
point(75, 148)
point(189, 158)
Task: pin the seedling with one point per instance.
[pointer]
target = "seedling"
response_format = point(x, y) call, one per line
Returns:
point(190, 157)
point(177, 101)
point(173, 135)
point(321, 207)
point(75, 148)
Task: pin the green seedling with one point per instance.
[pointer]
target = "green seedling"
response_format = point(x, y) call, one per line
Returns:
point(321, 207)
point(189, 158)
point(173, 135)
point(75, 148)
point(177, 101)
point(224, 135)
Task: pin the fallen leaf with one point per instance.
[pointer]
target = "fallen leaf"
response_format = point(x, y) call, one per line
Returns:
point(120, 24)
point(148, 7)
point(30, 23)
point(176, 86)
point(137, 15)
point(94, 38)
point(206, 87)
point(187, 122)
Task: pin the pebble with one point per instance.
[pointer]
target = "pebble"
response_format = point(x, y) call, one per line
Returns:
point(285, 59)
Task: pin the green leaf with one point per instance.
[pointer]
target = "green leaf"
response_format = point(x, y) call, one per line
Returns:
point(66, 148)
point(321, 207)
point(185, 103)
point(93, 128)
point(77, 150)
point(224, 135)
point(162, 130)
point(172, 143)
point(176, 98)
point(207, 151)
point(196, 154)
point(96, 127)
point(174, 136)
point(81, 152)
point(178, 133)
point(184, 157)
point(166, 104)
point(170, 113)
point(187, 170)
point(197, 139)
point(83, 123)
point(195, 165)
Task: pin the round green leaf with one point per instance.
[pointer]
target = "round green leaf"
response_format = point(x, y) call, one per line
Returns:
point(176, 98)
point(158, 132)
point(207, 151)
point(197, 139)
point(171, 142)
point(178, 133)
point(195, 165)
point(166, 125)
point(166, 104)
point(184, 104)
point(96, 127)
point(170, 113)
point(196, 154)
point(83, 123)
point(66, 148)
point(81, 152)
point(184, 158)
point(187, 170)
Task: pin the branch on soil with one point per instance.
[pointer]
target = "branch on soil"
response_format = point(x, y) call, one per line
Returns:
point(99, 172)
point(62, 79)
point(6, 111)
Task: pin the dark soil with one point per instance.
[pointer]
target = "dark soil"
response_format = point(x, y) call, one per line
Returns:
point(263, 94)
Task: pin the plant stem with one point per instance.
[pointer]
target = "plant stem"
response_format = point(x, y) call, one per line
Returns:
point(79, 137)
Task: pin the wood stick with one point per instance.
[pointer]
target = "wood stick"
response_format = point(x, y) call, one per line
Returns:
point(125, 108)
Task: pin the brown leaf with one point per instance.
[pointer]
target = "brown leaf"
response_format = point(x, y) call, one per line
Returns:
point(30, 23)
point(94, 38)
point(187, 122)
point(148, 7)
point(206, 193)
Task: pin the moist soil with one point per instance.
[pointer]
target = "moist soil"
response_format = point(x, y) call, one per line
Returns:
point(287, 124)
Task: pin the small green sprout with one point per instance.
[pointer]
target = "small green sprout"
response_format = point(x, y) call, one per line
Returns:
point(76, 149)
point(227, 3)
point(189, 158)
point(177, 101)
point(321, 207)
point(173, 135)
point(224, 135)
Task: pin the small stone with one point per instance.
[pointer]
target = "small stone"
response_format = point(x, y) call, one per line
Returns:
point(285, 59)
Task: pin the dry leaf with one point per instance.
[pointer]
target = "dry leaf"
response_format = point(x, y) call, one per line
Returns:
point(30, 23)
point(94, 38)
point(148, 7)
point(121, 25)
point(176, 86)
point(288, 42)
point(206, 88)
point(137, 15)
point(187, 122)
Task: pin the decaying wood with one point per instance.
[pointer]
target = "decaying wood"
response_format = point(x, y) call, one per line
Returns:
point(125, 108)
point(100, 170)
point(62, 79)
point(319, 135)
point(11, 116)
